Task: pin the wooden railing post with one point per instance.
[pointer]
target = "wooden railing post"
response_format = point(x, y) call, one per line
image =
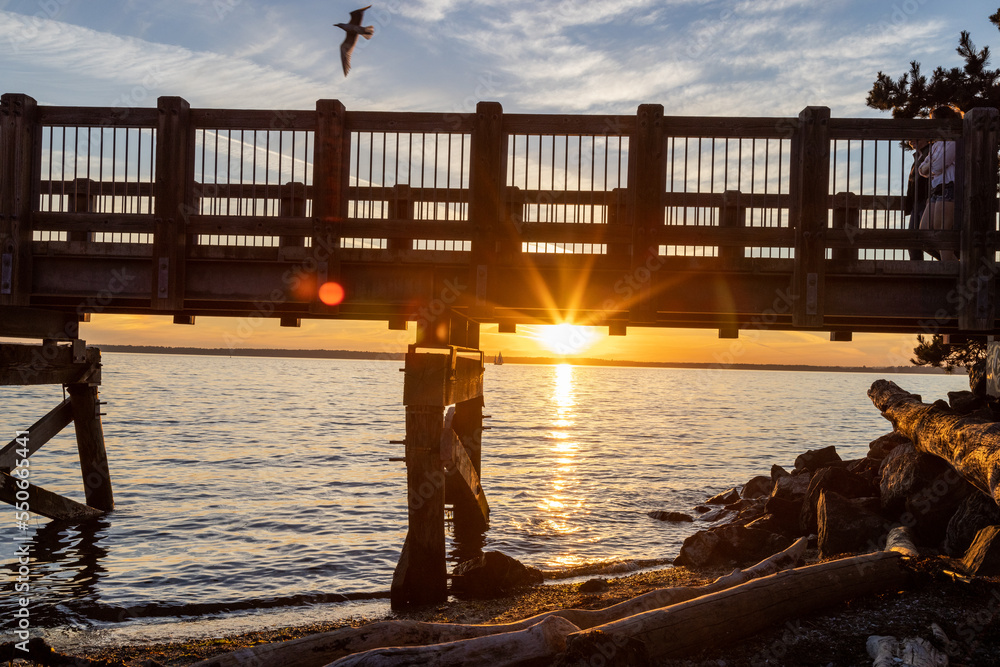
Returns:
point(978, 271)
point(646, 183)
point(809, 215)
point(331, 171)
point(82, 200)
point(732, 216)
point(487, 200)
point(401, 208)
point(292, 205)
point(846, 216)
point(174, 197)
point(20, 157)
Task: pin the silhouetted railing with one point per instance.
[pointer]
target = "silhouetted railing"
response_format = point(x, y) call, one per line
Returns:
point(641, 219)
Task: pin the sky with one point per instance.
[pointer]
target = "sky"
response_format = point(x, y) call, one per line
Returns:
point(695, 57)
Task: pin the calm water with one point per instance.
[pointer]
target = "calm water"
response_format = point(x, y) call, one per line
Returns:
point(259, 491)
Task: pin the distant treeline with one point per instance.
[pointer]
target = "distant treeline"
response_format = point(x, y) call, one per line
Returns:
point(398, 356)
point(252, 352)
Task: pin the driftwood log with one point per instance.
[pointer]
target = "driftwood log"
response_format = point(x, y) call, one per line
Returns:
point(532, 646)
point(900, 540)
point(319, 649)
point(912, 652)
point(970, 445)
point(724, 617)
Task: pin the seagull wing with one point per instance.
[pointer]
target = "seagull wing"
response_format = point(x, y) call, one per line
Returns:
point(357, 14)
point(345, 51)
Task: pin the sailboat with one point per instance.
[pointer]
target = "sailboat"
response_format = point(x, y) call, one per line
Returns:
point(498, 360)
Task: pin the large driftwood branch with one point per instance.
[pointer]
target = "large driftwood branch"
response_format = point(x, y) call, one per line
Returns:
point(319, 649)
point(970, 445)
point(736, 613)
point(534, 645)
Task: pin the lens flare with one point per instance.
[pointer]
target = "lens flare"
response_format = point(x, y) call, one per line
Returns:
point(331, 293)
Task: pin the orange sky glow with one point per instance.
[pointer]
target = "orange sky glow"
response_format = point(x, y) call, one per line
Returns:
point(641, 344)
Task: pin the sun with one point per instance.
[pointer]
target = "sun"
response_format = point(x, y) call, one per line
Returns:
point(566, 338)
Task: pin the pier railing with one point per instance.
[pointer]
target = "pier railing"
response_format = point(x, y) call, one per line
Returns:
point(618, 220)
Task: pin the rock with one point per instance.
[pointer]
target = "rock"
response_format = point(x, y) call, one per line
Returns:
point(701, 509)
point(729, 546)
point(594, 586)
point(977, 378)
point(717, 514)
point(964, 402)
point(815, 459)
point(725, 498)
point(848, 525)
point(492, 574)
point(983, 556)
point(785, 501)
point(776, 524)
point(865, 468)
point(923, 491)
point(976, 512)
point(670, 516)
point(838, 480)
point(777, 471)
point(902, 450)
point(882, 445)
point(757, 487)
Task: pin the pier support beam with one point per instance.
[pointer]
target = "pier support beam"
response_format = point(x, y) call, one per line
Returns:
point(78, 368)
point(440, 454)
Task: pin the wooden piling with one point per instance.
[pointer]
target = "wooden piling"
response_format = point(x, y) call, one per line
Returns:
point(90, 443)
point(436, 378)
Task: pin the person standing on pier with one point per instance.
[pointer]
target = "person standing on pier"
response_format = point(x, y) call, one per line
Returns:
point(939, 167)
point(917, 188)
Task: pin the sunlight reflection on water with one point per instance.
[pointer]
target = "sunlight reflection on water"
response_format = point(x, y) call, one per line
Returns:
point(267, 483)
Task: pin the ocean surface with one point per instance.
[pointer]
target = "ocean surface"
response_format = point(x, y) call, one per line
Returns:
point(259, 492)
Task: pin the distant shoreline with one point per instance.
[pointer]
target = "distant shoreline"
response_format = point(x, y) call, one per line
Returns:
point(398, 356)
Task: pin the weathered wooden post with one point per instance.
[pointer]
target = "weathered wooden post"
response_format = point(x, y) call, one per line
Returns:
point(731, 216)
point(82, 199)
point(978, 269)
point(20, 155)
point(846, 217)
point(436, 378)
point(809, 214)
point(647, 182)
point(401, 208)
point(174, 199)
point(292, 205)
point(487, 184)
point(331, 173)
point(90, 445)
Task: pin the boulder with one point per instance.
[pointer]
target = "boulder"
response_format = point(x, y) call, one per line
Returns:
point(785, 501)
point(902, 450)
point(670, 516)
point(977, 378)
point(905, 472)
point(866, 468)
point(922, 491)
point(882, 445)
point(815, 459)
point(848, 525)
point(729, 546)
point(725, 498)
point(777, 471)
point(976, 512)
point(983, 556)
point(758, 486)
point(837, 480)
point(492, 574)
point(964, 402)
point(718, 514)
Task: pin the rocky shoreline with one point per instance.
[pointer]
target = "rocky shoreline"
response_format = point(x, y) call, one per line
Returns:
point(951, 599)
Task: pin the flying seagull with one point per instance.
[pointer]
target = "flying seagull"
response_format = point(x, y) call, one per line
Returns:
point(353, 29)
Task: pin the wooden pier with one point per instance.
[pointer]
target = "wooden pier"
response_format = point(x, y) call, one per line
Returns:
point(455, 221)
